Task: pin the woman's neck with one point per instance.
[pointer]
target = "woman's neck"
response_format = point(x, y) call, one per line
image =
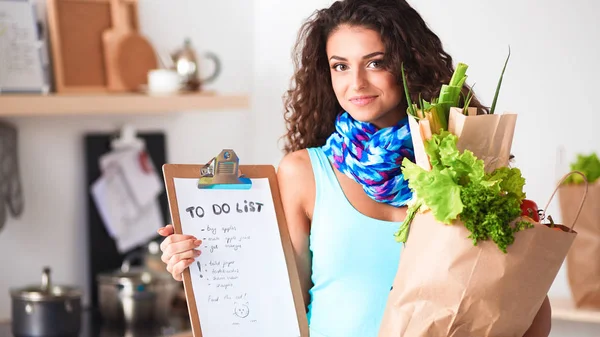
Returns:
point(391, 118)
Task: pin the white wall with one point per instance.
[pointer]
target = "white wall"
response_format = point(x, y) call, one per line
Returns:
point(553, 65)
point(550, 81)
point(553, 68)
point(52, 229)
point(274, 39)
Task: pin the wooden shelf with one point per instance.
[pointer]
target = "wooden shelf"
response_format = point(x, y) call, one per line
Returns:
point(564, 309)
point(28, 105)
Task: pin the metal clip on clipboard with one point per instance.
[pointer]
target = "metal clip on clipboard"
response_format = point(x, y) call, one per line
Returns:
point(222, 172)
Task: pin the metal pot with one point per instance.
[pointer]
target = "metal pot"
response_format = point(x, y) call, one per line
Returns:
point(125, 298)
point(165, 286)
point(46, 310)
point(134, 296)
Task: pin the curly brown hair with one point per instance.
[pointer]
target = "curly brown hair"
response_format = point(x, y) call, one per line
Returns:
point(311, 105)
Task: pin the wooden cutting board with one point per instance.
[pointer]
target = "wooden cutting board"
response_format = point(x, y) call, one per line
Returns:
point(128, 55)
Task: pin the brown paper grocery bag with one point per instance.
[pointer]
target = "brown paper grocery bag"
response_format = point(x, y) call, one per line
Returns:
point(447, 287)
point(583, 260)
point(419, 133)
point(489, 137)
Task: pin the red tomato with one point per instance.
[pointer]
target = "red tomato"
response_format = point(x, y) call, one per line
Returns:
point(530, 208)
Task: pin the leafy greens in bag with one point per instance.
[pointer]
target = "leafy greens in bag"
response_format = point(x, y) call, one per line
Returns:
point(588, 165)
point(457, 188)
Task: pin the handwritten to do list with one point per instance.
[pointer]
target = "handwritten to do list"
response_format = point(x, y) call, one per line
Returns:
point(240, 281)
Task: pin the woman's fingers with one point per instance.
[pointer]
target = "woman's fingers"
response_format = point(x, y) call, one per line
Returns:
point(166, 231)
point(179, 251)
point(178, 268)
point(177, 244)
point(173, 239)
point(179, 262)
point(190, 254)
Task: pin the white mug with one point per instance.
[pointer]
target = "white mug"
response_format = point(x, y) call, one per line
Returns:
point(164, 81)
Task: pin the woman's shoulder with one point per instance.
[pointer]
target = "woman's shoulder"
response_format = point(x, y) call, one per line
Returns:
point(295, 165)
point(297, 181)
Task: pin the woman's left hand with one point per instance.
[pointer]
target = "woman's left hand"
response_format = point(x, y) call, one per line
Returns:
point(540, 327)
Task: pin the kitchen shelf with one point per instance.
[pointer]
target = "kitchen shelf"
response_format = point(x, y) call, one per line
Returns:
point(564, 309)
point(29, 105)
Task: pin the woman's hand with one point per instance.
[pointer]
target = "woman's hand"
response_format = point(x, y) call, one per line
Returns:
point(542, 323)
point(179, 251)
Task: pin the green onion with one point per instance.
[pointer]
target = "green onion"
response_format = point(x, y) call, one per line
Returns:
point(410, 108)
point(499, 83)
point(468, 100)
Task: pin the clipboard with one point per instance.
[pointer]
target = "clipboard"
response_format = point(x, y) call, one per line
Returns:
point(223, 173)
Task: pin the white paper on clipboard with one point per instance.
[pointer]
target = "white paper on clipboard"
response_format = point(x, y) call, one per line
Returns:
point(240, 281)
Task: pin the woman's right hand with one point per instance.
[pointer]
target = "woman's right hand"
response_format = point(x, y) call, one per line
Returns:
point(178, 250)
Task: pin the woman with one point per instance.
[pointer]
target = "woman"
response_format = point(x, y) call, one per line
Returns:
point(342, 211)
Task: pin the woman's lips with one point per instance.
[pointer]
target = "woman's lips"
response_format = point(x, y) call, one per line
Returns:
point(362, 100)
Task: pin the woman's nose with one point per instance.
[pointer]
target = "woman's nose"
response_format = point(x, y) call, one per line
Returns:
point(359, 80)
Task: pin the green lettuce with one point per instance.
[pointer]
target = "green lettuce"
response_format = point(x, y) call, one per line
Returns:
point(588, 165)
point(457, 188)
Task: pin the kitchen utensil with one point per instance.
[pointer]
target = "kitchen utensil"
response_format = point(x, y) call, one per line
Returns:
point(125, 298)
point(164, 81)
point(128, 55)
point(166, 287)
point(161, 282)
point(46, 310)
point(135, 296)
point(187, 64)
point(11, 193)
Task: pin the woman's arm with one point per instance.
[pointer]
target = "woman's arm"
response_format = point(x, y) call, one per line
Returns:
point(542, 322)
point(297, 187)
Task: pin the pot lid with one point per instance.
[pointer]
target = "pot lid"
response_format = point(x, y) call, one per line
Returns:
point(132, 276)
point(46, 291)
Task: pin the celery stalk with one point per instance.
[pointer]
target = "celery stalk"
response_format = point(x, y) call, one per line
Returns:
point(458, 78)
point(435, 120)
point(442, 112)
point(450, 94)
point(402, 234)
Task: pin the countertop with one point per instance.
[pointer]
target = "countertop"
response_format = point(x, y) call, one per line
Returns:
point(91, 326)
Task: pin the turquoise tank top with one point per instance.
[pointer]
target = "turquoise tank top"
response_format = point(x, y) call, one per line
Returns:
point(354, 261)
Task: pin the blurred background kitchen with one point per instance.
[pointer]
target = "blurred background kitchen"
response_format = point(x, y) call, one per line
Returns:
point(57, 174)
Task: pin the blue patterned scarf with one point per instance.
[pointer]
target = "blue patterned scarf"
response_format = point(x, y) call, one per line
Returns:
point(372, 157)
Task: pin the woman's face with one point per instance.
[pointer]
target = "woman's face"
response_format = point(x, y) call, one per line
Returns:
point(362, 85)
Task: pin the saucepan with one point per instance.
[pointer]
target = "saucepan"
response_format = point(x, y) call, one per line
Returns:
point(47, 310)
point(135, 296)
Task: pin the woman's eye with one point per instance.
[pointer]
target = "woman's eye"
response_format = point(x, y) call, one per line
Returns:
point(377, 64)
point(339, 67)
